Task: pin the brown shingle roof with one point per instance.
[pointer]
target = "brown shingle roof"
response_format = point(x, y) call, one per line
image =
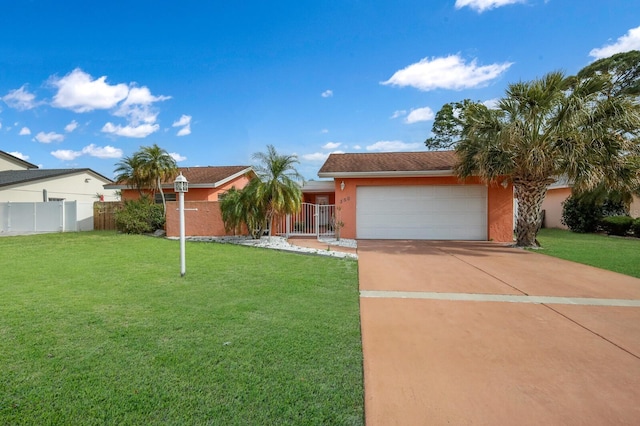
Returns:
point(204, 177)
point(210, 174)
point(363, 163)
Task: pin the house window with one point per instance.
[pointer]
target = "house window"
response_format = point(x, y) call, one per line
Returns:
point(171, 196)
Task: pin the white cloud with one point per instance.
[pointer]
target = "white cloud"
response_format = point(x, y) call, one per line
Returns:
point(629, 41)
point(71, 126)
point(24, 131)
point(324, 131)
point(357, 147)
point(20, 155)
point(316, 156)
point(49, 137)
point(185, 122)
point(450, 72)
point(398, 113)
point(129, 131)
point(491, 103)
point(331, 145)
point(102, 152)
point(177, 156)
point(393, 146)
point(137, 107)
point(327, 94)
point(184, 131)
point(78, 92)
point(90, 150)
point(319, 157)
point(420, 114)
point(20, 99)
point(482, 5)
point(66, 154)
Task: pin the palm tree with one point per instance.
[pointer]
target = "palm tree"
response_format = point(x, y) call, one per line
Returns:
point(129, 170)
point(277, 188)
point(155, 166)
point(240, 207)
point(544, 129)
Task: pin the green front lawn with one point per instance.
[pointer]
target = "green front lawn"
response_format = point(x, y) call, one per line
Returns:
point(99, 328)
point(612, 253)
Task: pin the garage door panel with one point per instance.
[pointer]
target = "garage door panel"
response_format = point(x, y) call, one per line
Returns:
point(444, 212)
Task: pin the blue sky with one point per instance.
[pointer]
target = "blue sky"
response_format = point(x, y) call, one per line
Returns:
point(212, 82)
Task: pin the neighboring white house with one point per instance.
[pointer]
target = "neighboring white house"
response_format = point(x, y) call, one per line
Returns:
point(21, 181)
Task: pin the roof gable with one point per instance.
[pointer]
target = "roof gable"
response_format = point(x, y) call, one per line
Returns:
point(19, 163)
point(15, 177)
point(211, 175)
point(201, 177)
point(389, 163)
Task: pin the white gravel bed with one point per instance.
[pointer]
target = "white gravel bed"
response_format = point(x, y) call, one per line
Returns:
point(281, 243)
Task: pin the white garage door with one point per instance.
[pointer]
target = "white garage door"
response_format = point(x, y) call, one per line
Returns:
point(430, 212)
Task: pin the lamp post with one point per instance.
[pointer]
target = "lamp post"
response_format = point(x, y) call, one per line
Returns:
point(180, 186)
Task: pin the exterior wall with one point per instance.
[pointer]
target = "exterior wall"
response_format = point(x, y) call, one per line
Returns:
point(634, 210)
point(500, 213)
point(310, 197)
point(10, 165)
point(552, 206)
point(499, 209)
point(70, 187)
point(206, 221)
point(239, 183)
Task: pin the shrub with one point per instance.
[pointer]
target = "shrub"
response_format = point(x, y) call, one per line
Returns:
point(617, 225)
point(580, 216)
point(584, 213)
point(635, 227)
point(139, 217)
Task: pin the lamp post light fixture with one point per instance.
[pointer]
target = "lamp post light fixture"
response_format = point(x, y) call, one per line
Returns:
point(181, 185)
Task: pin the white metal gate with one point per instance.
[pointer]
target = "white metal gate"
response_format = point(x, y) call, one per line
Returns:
point(313, 220)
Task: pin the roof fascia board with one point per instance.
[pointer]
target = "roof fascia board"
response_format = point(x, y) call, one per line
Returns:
point(386, 174)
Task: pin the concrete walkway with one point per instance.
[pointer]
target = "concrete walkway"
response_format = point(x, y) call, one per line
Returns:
point(477, 333)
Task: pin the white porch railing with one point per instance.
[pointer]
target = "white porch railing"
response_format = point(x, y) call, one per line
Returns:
point(313, 220)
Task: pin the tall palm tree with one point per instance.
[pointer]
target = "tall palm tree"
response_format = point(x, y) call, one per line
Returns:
point(278, 188)
point(547, 128)
point(156, 166)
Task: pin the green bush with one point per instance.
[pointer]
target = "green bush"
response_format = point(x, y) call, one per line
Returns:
point(635, 227)
point(580, 216)
point(139, 217)
point(584, 214)
point(617, 225)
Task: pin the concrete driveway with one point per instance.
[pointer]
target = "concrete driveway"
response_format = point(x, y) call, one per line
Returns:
point(476, 333)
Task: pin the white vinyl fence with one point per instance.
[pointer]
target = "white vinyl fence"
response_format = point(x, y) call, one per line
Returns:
point(52, 216)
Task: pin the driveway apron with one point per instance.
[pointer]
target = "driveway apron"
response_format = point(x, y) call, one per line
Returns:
point(478, 333)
